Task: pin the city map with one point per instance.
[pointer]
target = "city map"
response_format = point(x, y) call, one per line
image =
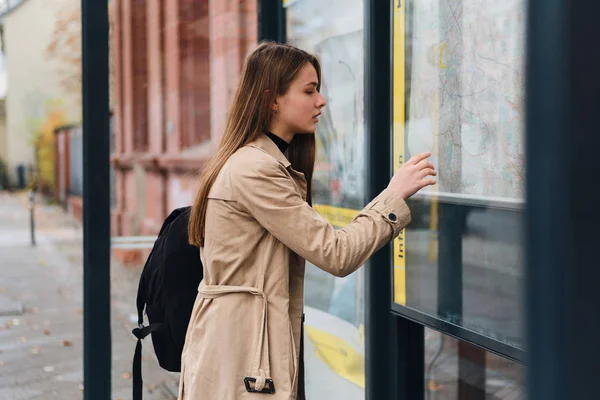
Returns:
point(464, 91)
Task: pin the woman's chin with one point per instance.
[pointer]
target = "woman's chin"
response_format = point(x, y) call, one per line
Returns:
point(307, 131)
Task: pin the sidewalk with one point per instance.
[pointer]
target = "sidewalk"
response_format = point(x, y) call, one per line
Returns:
point(41, 311)
point(41, 322)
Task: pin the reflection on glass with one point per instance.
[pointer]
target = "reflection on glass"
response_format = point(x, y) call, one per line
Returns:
point(463, 98)
point(41, 180)
point(472, 274)
point(457, 370)
point(333, 30)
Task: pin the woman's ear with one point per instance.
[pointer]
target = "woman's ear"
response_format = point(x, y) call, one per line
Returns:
point(274, 105)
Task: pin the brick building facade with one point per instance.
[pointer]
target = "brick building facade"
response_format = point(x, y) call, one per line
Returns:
point(176, 64)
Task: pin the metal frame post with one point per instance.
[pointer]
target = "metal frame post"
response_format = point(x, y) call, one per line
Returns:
point(394, 346)
point(31, 197)
point(410, 360)
point(271, 20)
point(96, 201)
point(562, 141)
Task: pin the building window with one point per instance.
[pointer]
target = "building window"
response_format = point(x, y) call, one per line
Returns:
point(195, 72)
point(139, 75)
point(163, 70)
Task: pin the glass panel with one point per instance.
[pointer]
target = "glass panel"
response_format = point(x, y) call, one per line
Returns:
point(458, 92)
point(41, 183)
point(175, 67)
point(334, 307)
point(457, 370)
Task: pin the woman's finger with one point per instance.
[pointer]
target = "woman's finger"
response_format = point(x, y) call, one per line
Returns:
point(416, 159)
point(425, 164)
point(427, 172)
point(427, 182)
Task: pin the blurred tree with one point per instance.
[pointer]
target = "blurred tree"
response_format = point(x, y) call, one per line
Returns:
point(65, 47)
point(42, 139)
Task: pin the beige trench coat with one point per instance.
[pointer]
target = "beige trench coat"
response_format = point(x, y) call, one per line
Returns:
point(246, 321)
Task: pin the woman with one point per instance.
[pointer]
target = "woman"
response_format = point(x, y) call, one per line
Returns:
point(255, 227)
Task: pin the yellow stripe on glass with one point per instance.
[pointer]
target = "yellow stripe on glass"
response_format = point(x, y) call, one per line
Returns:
point(336, 352)
point(336, 216)
point(341, 357)
point(398, 49)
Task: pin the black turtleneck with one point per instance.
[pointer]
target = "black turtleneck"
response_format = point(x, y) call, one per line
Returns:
point(281, 144)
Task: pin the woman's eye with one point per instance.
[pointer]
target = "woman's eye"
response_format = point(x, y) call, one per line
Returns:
point(310, 92)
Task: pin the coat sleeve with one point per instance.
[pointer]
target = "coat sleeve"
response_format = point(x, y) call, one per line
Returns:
point(266, 190)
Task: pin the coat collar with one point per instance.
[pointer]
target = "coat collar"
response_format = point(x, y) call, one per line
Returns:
point(264, 143)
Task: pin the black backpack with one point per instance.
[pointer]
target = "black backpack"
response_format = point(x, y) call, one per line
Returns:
point(167, 289)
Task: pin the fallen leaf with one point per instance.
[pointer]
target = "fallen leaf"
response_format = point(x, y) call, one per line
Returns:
point(80, 311)
point(49, 368)
point(16, 322)
point(22, 339)
point(126, 375)
point(35, 350)
point(67, 343)
point(8, 324)
point(81, 387)
point(46, 332)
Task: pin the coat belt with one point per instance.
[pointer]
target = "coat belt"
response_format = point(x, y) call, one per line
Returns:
point(213, 291)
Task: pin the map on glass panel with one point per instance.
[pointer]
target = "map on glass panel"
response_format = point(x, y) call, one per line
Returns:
point(465, 93)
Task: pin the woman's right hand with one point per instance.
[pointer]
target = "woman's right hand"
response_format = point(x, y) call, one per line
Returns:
point(413, 176)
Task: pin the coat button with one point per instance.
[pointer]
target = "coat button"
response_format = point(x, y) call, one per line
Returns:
point(392, 217)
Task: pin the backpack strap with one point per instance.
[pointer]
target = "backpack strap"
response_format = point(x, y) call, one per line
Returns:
point(138, 384)
point(140, 333)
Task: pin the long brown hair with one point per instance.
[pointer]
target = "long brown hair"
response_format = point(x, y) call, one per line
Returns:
point(268, 72)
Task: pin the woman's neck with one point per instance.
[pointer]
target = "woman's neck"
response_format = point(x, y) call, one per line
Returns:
point(281, 133)
point(279, 142)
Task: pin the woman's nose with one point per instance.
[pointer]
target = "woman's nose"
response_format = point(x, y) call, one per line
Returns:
point(322, 102)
